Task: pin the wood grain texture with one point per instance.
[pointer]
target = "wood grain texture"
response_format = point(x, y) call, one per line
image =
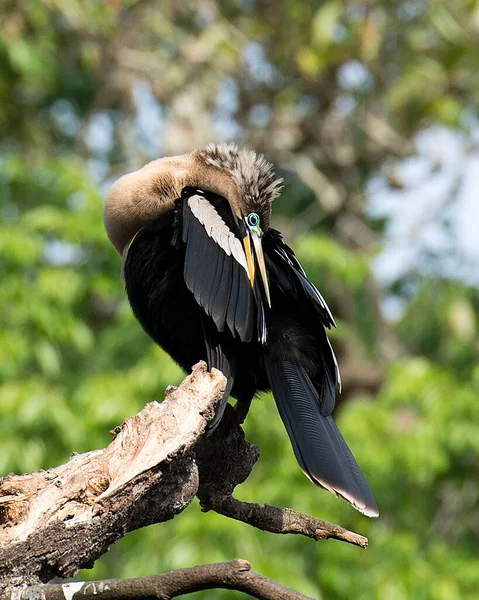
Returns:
point(54, 522)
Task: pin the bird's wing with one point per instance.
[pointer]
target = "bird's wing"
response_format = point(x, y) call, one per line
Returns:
point(290, 275)
point(216, 271)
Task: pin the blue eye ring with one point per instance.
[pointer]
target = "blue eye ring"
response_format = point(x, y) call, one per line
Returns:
point(252, 220)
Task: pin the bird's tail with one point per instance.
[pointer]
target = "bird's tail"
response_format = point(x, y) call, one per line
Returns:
point(318, 445)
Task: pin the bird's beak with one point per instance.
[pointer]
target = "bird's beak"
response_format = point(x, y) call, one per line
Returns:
point(251, 240)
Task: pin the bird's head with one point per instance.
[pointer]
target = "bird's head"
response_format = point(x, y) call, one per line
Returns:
point(245, 179)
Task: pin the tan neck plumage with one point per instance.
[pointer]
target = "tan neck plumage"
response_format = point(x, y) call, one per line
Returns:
point(142, 197)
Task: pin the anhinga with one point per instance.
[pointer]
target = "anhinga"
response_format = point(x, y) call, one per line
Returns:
point(208, 278)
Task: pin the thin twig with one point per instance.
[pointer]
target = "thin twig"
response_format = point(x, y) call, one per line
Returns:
point(282, 520)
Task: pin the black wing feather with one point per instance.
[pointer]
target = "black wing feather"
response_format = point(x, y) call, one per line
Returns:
point(223, 293)
point(260, 316)
point(210, 295)
point(218, 359)
point(233, 301)
point(289, 269)
point(240, 316)
point(214, 265)
point(244, 313)
point(193, 256)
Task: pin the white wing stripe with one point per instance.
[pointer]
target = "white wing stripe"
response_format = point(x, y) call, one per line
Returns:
point(217, 229)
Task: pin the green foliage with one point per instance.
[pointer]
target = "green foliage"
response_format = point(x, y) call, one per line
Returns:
point(73, 361)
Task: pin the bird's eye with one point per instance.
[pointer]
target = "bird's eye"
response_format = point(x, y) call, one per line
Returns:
point(252, 220)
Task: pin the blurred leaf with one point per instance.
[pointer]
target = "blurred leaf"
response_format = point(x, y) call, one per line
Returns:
point(324, 22)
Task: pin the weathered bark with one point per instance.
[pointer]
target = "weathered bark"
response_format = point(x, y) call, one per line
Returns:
point(281, 520)
point(52, 523)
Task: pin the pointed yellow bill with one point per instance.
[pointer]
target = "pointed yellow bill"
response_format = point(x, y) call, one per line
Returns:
point(249, 258)
point(258, 248)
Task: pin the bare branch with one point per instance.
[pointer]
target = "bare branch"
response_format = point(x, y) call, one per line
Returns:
point(282, 520)
point(331, 197)
point(54, 522)
point(384, 135)
point(231, 575)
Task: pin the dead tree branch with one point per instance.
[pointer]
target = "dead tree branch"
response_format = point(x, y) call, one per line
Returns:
point(282, 520)
point(52, 523)
point(232, 575)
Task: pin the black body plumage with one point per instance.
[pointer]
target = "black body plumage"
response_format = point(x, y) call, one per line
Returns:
point(186, 276)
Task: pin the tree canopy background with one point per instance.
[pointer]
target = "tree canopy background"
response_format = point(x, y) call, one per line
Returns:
point(368, 109)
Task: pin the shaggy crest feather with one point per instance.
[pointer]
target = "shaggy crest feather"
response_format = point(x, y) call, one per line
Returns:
point(253, 175)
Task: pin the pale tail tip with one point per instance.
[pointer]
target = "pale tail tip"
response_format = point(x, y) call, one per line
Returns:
point(368, 511)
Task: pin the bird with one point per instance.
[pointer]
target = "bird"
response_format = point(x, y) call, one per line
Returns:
point(208, 278)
